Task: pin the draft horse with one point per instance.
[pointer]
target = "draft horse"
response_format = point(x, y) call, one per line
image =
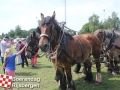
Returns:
point(110, 39)
point(66, 54)
point(32, 47)
point(96, 47)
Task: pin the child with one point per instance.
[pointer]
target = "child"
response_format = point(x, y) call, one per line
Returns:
point(34, 60)
point(9, 62)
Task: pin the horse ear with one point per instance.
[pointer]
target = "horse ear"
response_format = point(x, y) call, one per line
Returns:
point(42, 16)
point(33, 33)
point(53, 16)
point(113, 30)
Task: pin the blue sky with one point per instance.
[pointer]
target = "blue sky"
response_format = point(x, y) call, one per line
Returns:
point(24, 12)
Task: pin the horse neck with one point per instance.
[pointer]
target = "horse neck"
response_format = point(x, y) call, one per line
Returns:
point(54, 42)
point(107, 37)
point(107, 40)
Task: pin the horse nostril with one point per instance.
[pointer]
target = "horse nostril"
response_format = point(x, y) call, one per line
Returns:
point(46, 45)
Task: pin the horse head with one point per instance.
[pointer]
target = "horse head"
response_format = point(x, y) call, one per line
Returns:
point(32, 41)
point(49, 32)
point(100, 34)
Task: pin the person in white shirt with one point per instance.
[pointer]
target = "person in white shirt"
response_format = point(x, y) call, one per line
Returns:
point(5, 43)
point(17, 45)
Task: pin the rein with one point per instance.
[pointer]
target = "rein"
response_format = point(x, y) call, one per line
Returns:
point(58, 48)
point(49, 37)
point(110, 44)
point(31, 50)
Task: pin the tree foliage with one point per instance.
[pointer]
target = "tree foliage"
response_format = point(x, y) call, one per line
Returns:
point(113, 21)
point(94, 23)
point(18, 32)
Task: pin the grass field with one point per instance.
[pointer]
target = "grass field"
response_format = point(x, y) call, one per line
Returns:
point(46, 72)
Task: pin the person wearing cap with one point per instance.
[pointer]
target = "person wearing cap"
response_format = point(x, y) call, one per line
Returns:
point(5, 43)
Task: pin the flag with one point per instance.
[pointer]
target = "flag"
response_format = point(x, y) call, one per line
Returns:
point(5, 80)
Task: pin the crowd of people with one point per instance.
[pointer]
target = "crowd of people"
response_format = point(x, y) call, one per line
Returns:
point(18, 44)
point(9, 59)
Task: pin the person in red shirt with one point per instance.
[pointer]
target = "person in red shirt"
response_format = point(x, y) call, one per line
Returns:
point(34, 60)
point(23, 57)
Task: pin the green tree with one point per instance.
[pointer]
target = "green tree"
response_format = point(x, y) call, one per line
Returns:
point(92, 25)
point(11, 34)
point(18, 31)
point(113, 21)
point(85, 29)
point(93, 22)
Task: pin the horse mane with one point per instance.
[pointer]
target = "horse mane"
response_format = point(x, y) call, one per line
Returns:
point(58, 28)
point(46, 20)
point(28, 38)
point(38, 30)
point(116, 32)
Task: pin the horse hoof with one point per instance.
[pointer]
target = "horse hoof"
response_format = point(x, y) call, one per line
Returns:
point(75, 72)
point(114, 73)
point(97, 83)
point(83, 75)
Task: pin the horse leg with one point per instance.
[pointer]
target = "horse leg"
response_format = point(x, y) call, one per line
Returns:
point(111, 66)
point(107, 62)
point(57, 73)
point(98, 75)
point(84, 70)
point(116, 68)
point(62, 78)
point(89, 75)
point(77, 68)
point(101, 56)
point(57, 77)
point(71, 85)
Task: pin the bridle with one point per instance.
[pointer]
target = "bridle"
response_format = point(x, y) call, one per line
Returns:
point(52, 36)
point(33, 44)
point(104, 43)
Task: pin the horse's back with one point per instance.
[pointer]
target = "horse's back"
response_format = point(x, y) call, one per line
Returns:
point(94, 41)
point(83, 40)
point(80, 43)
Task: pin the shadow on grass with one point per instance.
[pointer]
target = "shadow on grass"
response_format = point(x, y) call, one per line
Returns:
point(39, 66)
point(109, 82)
point(25, 73)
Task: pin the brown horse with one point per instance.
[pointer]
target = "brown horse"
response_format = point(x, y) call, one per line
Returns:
point(96, 47)
point(76, 50)
point(110, 40)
